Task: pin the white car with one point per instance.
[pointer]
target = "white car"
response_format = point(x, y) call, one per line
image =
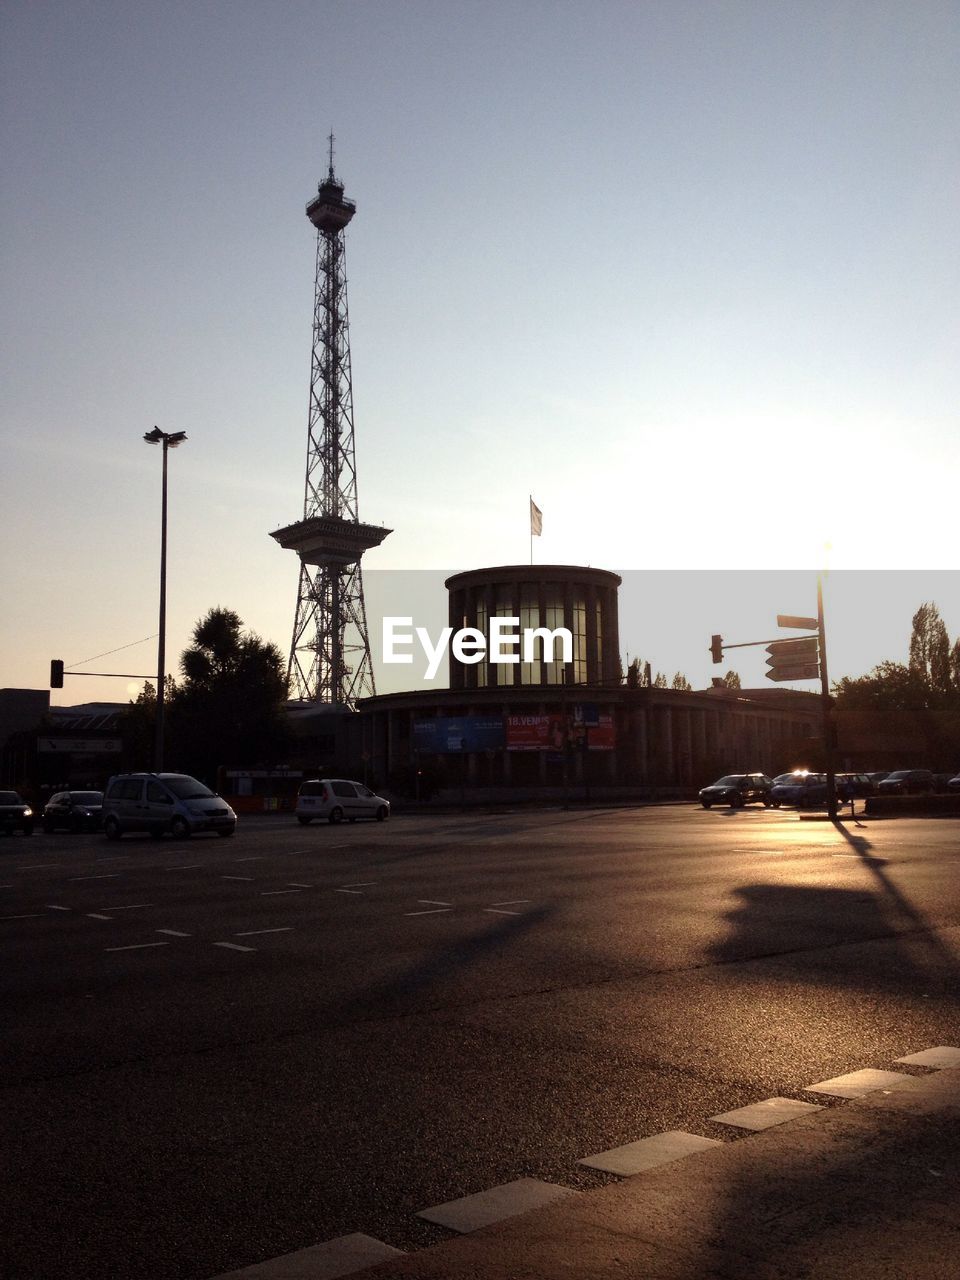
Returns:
point(338, 798)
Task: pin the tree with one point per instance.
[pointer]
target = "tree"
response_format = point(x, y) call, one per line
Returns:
point(955, 667)
point(661, 681)
point(633, 674)
point(930, 650)
point(680, 681)
point(229, 708)
point(731, 680)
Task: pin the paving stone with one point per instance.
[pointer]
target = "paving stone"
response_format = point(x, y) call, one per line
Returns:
point(334, 1258)
point(943, 1055)
point(858, 1083)
point(764, 1115)
point(470, 1213)
point(648, 1153)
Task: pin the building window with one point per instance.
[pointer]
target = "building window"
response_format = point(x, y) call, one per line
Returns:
point(530, 618)
point(598, 634)
point(579, 641)
point(553, 620)
point(482, 668)
point(505, 671)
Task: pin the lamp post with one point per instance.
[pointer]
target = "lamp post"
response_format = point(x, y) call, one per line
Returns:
point(169, 440)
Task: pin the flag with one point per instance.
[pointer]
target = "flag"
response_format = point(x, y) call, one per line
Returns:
point(536, 519)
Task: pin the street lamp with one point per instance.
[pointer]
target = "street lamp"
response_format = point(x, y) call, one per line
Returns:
point(170, 440)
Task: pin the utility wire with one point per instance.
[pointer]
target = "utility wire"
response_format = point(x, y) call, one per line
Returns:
point(109, 651)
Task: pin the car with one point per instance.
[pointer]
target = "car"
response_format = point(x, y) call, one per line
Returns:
point(15, 813)
point(854, 786)
point(877, 776)
point(338, 798)
point(736, 790)
point(907, 782)
point(941, 782)
point(163, 802)
point(954, 784)
point(74, 810)
point(805, 790)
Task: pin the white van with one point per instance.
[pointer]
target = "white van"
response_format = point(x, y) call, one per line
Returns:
point(159, 802)
point(336, 799)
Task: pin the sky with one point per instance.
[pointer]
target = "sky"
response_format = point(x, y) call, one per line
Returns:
point(685, 272)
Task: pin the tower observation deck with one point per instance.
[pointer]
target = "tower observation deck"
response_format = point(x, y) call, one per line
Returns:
point(330, 651)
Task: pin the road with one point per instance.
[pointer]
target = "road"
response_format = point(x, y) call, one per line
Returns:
point(219, 1051)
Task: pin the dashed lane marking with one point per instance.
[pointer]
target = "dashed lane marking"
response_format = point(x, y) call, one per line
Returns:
point(252, 933)
point(138, 946)
point(40, 866)
point(766, 1114)
point(294, 885)
point(648, 1153)
point(233, 946)
point(343, 1256)
point(187, 866)
point(470, 1213)
point(857, 1083)
point(430, 911)
point(256, 858)
point(52, 906)
point(943, 1055)
point(130, 906)
point(107, 875)
point(174, 933)
point(33, 915)
point(93, 915)
point(248, 878)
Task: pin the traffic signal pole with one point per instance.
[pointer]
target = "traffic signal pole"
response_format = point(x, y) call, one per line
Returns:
point(828, 722)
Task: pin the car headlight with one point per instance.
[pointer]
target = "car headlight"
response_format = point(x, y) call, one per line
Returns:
point(28, 813)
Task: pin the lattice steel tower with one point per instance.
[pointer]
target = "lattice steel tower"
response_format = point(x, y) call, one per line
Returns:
point(330, 651)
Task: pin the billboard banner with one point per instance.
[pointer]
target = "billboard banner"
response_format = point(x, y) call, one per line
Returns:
point(534, 733)
point(448, 735)
point(602, 737)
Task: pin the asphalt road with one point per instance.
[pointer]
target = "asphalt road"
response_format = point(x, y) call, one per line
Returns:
point(218, 1051)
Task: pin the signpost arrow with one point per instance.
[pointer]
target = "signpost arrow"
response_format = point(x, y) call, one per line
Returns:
point(801, 624)
point(805, 650)
point(799, 671)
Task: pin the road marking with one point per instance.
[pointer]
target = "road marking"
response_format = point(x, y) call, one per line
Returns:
point(120, 857)
point(294, 885)
point(51, 906)
point(512, 902)
point(233, 946)
point(256, 858)
point(32, 916)
point(39, 866)
point(272, 893)
point(434, 902)
point(174, 933)
point(131, 906)
point(92, 915)
point(250, 933)
point(433, 911)
point(361, 884)
point(499, 911)
point(486, 1207)
point(187, 866)
point(138, 946)
point(109, 875)
point(648, 1153)
point(858, 1083)
point(343, 1256)
point(248, 878)
point(766, 1114)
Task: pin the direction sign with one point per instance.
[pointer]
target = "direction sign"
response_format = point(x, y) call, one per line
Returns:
point(801, 624)
point(805, 650)
point(798, 671)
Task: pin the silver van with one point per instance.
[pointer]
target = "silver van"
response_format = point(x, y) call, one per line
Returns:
point(338, 798)
point(161, 802)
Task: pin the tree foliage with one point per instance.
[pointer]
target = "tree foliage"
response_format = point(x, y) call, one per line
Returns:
point(681, 682)
point(228, 708)
point(731, 680)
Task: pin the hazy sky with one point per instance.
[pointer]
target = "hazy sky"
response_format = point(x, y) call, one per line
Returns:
point(686, 271)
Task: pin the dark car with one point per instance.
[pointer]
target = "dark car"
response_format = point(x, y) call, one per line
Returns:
point(854, 786)
point(877, 776)
point(15, 814)
point(954, 784)
point(74, 810)
point(907, 782)
point(805, 790)
point(737, 789)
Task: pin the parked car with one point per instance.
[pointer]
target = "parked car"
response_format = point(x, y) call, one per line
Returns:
point(339, 798)
point(876, 777)
point(854, 786)
point(15, 814)
point(737, 789)
point(954, 784)
point(163, 802)
point(805, 790)
point(75, 810)
point(941, 782)
point(907, 782)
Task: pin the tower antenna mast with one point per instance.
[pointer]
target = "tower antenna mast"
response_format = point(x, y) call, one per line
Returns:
point(330, 650)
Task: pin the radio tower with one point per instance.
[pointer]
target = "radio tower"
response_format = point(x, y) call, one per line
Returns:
point(330, 653)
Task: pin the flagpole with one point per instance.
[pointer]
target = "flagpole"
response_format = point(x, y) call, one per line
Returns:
point(530, 514)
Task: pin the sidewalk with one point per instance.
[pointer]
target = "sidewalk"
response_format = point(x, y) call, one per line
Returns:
point(865, 1189)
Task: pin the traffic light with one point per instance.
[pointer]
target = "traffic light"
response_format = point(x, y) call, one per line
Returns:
point(56, 673)
point(716, 648)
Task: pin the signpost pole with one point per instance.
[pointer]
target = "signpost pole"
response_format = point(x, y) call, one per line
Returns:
point(828, 723)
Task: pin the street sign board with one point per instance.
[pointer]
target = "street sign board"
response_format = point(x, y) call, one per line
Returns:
point(801, 624)
point(805, 650)
point(799, 671)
